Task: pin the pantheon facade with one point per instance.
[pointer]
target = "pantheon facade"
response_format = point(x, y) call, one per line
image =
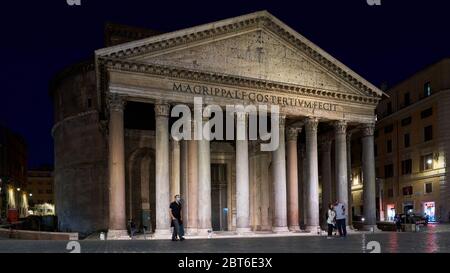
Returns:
point(115, 159)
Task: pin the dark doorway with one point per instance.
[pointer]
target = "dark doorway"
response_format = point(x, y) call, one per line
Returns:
point(219, 197)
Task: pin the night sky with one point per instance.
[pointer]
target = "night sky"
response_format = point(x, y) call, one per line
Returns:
point(38, 38)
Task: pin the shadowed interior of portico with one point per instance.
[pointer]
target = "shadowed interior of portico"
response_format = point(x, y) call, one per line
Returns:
point(140, 173)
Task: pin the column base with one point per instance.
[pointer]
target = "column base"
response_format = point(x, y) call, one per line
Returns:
point(118, 235)
point(204, 232)
point(244, 231)
point(372, 228)
point(162, 233)
point(280, 229)
point(191, 231)
point(294, 228)
point(314, 229)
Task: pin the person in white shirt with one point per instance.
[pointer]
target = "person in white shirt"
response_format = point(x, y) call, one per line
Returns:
point(331, 220)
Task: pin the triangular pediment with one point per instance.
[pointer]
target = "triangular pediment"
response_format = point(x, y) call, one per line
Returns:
point(254, 46)
point(257, 55)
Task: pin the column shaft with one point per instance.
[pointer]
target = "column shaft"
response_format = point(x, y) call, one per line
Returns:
point(369, 189)
point(162, 169)
point(242, 175)
point(279, 179)
point(204, 187)
point(175, 169)
point(325, 155)
point(192, 223)
point(116, 159)
point(349, 178)
point(312, 182)
point(340, 140)
point(292, 186)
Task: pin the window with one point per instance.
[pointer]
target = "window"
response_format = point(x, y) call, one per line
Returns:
point(426, 113)
point(406, 99)
point(407, 140)
point(408, 190)
point(40, 191)
point(388, 171)
point(390, 192)
point(375, 150)
point(427, 89)
point(428, 133)
point(406, 166)
point(375, 134)
point(428, 188)
point(389, 146)
point(427, 162)
point(49, 191)
point(389, 128)
point(406, 121)
point(89, 103)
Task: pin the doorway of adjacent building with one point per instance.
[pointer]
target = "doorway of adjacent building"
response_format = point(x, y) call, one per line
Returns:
point(391, 212)
point(219, 197)
point(408, 208)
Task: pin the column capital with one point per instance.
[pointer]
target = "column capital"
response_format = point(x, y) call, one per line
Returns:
point(162, 109)
point(282, 120)
point(367, 129)
point(292, 133)
point(349, 137)
point(116, 102)
point(241, 115)
point(311, 123)
point(340, 126)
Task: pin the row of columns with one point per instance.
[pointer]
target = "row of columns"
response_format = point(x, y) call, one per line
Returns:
point(285, 175)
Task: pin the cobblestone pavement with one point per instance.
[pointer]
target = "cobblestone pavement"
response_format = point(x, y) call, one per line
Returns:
point(435, 239)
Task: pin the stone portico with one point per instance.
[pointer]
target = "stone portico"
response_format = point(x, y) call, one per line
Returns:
point(253, 59)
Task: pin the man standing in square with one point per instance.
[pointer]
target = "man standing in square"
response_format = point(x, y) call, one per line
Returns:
point(175, 216)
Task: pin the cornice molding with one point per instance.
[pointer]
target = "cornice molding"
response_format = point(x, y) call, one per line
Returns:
point(225, 79)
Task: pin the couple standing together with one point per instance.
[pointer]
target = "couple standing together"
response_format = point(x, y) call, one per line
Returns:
point(336, 218)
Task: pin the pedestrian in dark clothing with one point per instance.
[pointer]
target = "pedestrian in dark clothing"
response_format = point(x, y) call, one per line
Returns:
point(176, 219)
point(398, 222)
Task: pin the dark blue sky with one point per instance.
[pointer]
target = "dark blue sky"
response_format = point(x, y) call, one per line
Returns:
point(39, 37)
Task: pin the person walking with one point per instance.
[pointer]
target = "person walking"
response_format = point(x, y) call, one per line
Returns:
point(339, 208)
point(331, 220)
point(176, 219)
point(398, 223)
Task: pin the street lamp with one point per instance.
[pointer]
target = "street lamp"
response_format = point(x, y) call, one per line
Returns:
point(18, 189)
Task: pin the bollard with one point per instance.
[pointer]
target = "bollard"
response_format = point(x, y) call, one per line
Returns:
point(102, 236)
